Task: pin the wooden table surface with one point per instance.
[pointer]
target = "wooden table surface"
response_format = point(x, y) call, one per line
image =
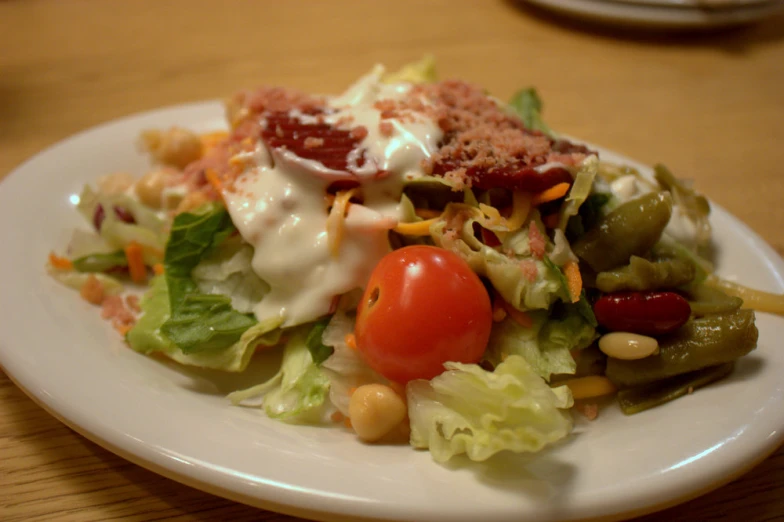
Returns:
point(710, 106)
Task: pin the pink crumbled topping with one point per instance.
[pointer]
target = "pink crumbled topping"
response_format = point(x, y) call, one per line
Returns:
point(132, 302)
point(113, 308)
point(536, 241)
point(386, 129)
point(529, 269)
point(359, 133)
point(589, 409)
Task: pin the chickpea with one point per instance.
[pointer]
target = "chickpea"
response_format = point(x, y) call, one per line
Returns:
point(375, 410)
point(175, 147)
point(113, 184)
point(150, 188)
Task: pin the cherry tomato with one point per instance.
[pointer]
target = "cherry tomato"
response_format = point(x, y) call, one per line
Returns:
point(422, 307)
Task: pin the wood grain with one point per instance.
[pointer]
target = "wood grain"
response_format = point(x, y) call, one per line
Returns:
point(709, 105)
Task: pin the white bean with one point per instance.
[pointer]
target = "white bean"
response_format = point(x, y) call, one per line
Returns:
point(375, 410)
point(628, 346)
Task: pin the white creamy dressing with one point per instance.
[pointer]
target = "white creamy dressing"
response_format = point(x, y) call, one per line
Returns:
point(279, 206)
point(680, 227)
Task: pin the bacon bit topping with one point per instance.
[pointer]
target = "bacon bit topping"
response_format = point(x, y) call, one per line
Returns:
point(536, 241)
point(483, 145)
point(92, 290)
point(132, 302)
point(589, 409)
point(386, 129)
point(529, 269)
point(113, 308)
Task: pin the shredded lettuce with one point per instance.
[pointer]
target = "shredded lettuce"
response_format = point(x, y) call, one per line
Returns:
point(547, 344)
point(503, 271)
point(345, 368)
point(148, 337)
point(199, 322)
point(581, 189)
point(228, 271)
point(528, 106)
point(468, 410)
point(76, 280)
point(297, 392)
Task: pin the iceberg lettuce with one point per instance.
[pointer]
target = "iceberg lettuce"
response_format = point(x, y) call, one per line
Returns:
point(147, 336)
point(468, 410)
point(297, 392)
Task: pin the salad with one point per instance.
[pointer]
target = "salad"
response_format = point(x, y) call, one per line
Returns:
point(434, 266)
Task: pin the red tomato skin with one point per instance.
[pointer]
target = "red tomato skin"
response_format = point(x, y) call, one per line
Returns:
point(423, 306)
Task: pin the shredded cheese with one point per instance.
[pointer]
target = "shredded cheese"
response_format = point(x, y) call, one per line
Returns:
point(755, 299)
point(590, 386)
point(419, 228)
point(336, 220)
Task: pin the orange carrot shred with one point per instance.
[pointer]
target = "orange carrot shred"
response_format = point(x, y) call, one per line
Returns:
point(574, 280)
point(351, 341)
point(135, 256)
point(157, 268)
point(551, 194)
point(123, 328)
point(60, 263)
point(215, 181)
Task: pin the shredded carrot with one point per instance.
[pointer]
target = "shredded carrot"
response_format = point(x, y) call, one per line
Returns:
point(60, 263)
point(347, 423)
point(419, 228)
point(551, 220)
point(215, 181)
point(551, 194)
point(134, 254)
point(336, 416)
point(590, 386)
point(518, 316)
point(351, 341)
point(426, 213)
point(574, 279)
point(157, 268)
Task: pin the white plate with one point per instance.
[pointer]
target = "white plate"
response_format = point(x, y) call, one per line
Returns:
point(662, 14)
point(177, 422)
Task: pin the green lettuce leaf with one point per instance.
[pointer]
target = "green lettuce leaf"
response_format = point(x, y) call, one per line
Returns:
point(297, 392)
point(227, 270)
point(547, 344)
point(468, 410)
point(315, 343)
point(199, 322)
point(528, 106)
point(148, 337)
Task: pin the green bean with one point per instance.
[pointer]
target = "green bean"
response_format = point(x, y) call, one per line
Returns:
point(631, 229)
point(643, 275)
point(707, 341)
point(706, 300)
point(100, 262)
point(640, 398)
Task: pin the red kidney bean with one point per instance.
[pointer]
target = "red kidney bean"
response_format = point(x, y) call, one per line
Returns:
point(120, 212)
point(646, 313)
